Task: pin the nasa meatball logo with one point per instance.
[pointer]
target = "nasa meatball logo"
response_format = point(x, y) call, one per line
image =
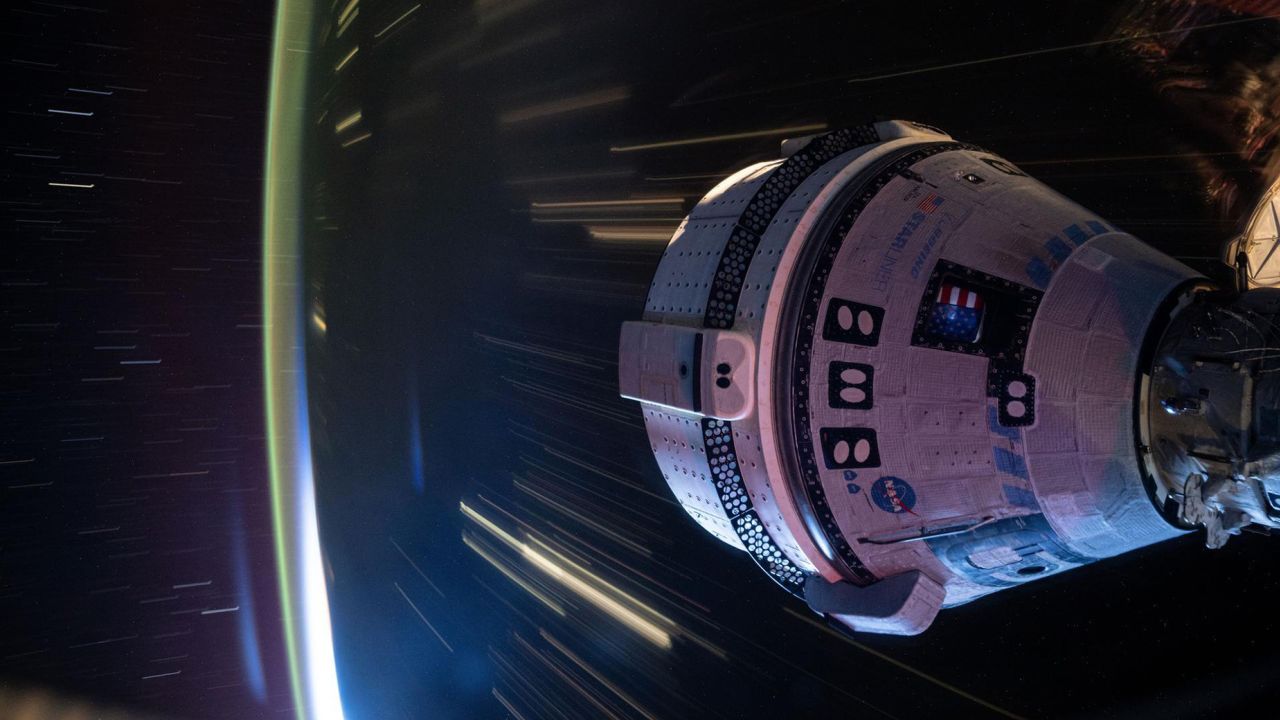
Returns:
point(893, 495)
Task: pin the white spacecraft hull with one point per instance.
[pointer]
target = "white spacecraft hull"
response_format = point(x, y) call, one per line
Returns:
point(902, 374)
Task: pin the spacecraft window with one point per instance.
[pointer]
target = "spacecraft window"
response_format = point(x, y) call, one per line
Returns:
point(958, 313)
point(967, 311)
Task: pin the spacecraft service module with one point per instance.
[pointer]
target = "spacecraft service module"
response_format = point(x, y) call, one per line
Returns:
point(902, 375)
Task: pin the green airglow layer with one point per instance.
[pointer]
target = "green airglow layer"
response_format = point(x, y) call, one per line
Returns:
point(280, 276)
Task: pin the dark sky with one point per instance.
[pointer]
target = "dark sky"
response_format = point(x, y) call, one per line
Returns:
point(470, 329)
point(464, 351)
point(133, 503)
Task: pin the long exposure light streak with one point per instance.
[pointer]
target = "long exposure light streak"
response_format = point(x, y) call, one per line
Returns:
point(582, 583)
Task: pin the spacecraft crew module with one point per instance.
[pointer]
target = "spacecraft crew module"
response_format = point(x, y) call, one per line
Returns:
point(901, 374)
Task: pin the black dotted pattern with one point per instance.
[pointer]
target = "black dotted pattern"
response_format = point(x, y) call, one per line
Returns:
point(767, 554)
point(726, 287)
point(806, 328)
point(717, 435)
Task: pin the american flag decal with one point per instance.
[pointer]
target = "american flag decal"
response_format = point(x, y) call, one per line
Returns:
point(929, 203)
point(957, 314)
point(955, 295)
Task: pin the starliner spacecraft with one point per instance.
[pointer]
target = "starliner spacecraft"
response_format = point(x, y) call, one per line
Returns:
point(901, 375)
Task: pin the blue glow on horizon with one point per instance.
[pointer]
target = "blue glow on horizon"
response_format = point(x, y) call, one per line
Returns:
point(415, 440)
point(250, 648)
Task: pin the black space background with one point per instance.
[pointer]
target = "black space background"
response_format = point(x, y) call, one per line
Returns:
point(116, 490)
point(120, 482)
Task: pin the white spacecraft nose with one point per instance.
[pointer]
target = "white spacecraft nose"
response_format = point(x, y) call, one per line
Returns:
point(902, 374)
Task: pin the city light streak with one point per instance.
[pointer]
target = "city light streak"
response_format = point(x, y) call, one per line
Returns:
point(350, 7)
point(583, 584)
point(357, 139)
point(511, 575)
point(397, 21)
point(565, 105)
point(346, 59)
point(342, 28)
point(423, 618)
point(1058, 49)
point(632, 234)
point(608, 203)
point(901, 665)
point(347, 122)
point(792, 130)
point(596, 675)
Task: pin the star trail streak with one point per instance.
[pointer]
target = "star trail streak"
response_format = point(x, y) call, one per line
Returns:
point(132, 154)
